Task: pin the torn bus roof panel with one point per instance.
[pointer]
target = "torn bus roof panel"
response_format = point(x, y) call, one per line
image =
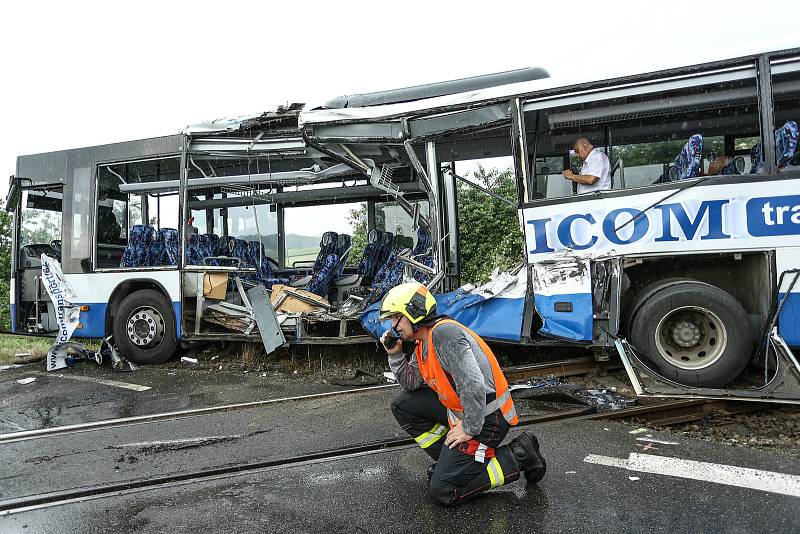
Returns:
point(386, 111)
point(493, 310)
point(429, 90)
point(287, 114)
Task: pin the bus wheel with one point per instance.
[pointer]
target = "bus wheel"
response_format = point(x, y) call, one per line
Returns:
point(144, 327)
point(694, 333)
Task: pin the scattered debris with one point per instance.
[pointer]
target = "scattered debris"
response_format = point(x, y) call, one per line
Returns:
point(634, 478)
point(570, 472)
point(69, 353)
point(389, 376)
point(639, 430)
point(118, 363)
point(662, 442)
point(21, 354)
point(10, 366)
point(549, 381)
point(359, 377)
point(190, 360)
point(604, 400)
point(27, 380)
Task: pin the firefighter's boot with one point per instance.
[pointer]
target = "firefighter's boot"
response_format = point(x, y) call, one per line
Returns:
point(429, 472)
point(525, 448)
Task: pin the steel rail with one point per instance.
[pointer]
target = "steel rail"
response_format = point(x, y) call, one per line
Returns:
point(56, 498)
point(24, 435)
point(561, 368)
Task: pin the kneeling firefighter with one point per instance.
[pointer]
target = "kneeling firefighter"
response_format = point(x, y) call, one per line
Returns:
point(466, 391)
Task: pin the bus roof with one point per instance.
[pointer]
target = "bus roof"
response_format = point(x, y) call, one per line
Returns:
point(431, 90)
point(55, 167)
point(487, 96)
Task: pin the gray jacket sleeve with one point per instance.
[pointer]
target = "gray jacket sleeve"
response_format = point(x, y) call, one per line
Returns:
point(406, 371)
point(456, 357)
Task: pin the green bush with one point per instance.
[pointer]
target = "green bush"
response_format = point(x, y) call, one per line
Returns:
point(489, 230)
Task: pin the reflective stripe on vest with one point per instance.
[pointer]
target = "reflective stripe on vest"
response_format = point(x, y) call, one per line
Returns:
point(426, 439)
point(480, 454)
point(496, 477)
point(438, 381)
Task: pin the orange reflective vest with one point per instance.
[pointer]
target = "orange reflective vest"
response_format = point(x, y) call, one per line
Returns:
point(438, 381)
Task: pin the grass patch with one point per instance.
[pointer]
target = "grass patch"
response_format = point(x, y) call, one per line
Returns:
point(16, 349)
point(22, 349)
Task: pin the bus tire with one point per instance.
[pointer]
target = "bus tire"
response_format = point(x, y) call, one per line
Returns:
point(693, 333)
point(144, 327)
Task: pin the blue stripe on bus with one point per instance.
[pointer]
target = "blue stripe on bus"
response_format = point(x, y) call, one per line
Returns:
point(789, 320)
point(94, 321)
point(13, 317)
point(498, 318)
point(575, 325)
point(176, 308)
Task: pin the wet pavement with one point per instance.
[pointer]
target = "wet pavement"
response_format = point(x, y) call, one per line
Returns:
point(380, 491)
point(385, 492)
point(69, 396)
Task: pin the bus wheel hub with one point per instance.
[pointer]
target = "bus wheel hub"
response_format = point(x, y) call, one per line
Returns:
point(145, 326)
point(686, 333)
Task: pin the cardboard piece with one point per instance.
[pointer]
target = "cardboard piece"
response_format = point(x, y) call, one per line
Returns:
point(291, 304)
point(215, 285)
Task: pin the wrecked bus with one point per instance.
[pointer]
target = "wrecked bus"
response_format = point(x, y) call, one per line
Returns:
point(687, 266)
point(194, 237)
point(161, 241)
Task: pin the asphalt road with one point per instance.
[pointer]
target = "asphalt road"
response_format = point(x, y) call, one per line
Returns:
point(600, 476)
point(385, 492)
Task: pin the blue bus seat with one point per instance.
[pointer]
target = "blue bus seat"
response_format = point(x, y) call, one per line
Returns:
point(193, 255)
point(138, 247)
point(785, 148)
point(322, 279)
point(343, 246)
point(372, 256)
point(786, 143)
point(169, 241)
point(687, 164)
point(388, 276)
point(423, 253)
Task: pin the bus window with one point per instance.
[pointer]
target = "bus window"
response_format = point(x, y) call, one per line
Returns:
point(41, 218)
point(119, 211)
point(390, 217)
point(305, 225)
point(484, 231)
point(786, 98)
point(644, 135)
point(255, 223)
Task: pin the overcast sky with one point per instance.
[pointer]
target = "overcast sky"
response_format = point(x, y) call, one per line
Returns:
point(84, 73)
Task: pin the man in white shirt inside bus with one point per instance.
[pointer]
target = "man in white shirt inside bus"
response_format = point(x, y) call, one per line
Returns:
point(596, 171)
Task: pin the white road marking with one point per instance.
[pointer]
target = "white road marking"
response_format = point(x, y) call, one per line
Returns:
point(114, 383)
point(729, 475)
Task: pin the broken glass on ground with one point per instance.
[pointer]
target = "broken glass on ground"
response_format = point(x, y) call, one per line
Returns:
point(604, 400)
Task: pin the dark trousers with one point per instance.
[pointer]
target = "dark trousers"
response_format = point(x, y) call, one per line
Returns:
point(458, 476)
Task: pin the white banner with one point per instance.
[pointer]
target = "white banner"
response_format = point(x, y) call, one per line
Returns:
point(67, 314)
point(723, 217)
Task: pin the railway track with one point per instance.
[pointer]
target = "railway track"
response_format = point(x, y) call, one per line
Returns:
point(559, 369)
point(662, 412)
point(57, 498)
